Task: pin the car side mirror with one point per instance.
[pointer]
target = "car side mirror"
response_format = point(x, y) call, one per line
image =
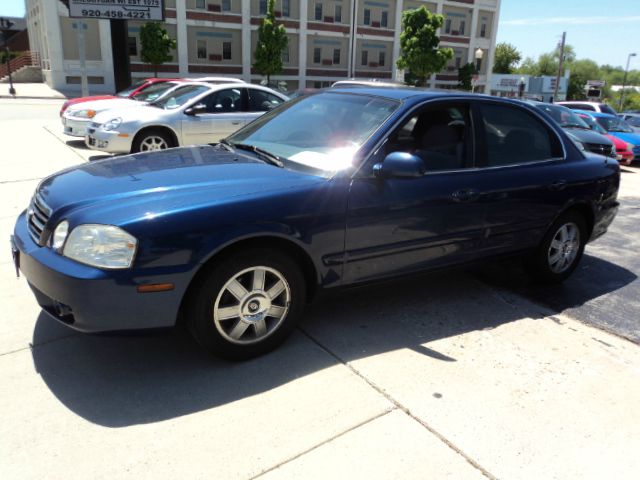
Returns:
point(196, 109)
point(399, 165)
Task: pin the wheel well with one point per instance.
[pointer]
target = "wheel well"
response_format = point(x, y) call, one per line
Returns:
point(276, 243)
point(167, 130)
point(585, 212)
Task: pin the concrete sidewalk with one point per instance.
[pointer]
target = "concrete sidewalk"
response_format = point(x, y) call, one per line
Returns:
point(442, 377)
point(38, 91)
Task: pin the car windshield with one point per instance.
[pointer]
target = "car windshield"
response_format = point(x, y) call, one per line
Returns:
point(633, 121)
point(322, 131)
point(614, 124)
point(593, 125)
point(179, 97)
point(154, 92)
point(128, 91)
point(564, 116)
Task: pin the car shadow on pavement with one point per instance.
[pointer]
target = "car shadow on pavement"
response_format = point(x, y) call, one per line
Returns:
point(116, 381)
point(77, 144)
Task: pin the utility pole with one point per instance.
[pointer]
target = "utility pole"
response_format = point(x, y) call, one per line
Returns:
point(560, 63)
point(624, 81)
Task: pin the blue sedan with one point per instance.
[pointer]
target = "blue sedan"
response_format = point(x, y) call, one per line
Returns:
point(338, 188)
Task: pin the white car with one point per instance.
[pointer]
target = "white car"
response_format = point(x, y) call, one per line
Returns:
point(77, 118)
point(589, 106)
point(193, 113)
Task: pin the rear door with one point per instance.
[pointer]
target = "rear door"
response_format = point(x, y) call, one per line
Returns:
point(524, 175)
point(224, 115)
point(260, 102)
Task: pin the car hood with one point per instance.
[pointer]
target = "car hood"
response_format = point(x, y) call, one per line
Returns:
point(138, 115)
point(633, 138)
point(588, 136)
point(165, 180)
point(102, 105)
point(621, 145)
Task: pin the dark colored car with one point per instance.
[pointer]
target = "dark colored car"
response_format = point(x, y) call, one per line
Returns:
point(578, 128)
point(343, 187)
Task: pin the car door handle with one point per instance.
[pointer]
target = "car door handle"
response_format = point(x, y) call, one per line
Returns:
point(557, 185)
point(466, 195)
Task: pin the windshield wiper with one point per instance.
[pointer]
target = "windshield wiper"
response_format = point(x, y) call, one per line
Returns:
point(263, 154)
point(226, 145)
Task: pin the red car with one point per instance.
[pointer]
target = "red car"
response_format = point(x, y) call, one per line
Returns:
point(623, 150)
point(126, 93)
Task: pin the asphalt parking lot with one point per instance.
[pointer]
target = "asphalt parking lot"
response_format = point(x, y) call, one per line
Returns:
point(470, 374)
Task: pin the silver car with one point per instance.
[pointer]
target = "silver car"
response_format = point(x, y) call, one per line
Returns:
point(193, 113)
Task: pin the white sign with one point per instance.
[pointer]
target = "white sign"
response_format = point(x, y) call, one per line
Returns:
point(117, 9)
point(596, 83)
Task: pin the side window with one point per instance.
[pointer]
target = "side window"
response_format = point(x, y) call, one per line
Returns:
point(514, 136)
point(224, 101)
point(441, 136)
point(260, 101)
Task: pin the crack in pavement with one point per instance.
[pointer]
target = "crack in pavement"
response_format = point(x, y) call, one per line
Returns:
point(324, 442)
point(402, 408)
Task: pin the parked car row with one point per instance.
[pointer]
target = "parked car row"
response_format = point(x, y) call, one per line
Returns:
point(163, 114)
point(346, 186)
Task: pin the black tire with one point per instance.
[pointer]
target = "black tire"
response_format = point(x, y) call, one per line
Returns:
point(213, 295)
point(539, 265)
point(145, 135)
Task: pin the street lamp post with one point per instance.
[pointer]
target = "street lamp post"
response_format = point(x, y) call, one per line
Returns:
point(478, 55)
point(6, 25)
point(624, 80)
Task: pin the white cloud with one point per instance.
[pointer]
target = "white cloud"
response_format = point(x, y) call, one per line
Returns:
point(533, 21)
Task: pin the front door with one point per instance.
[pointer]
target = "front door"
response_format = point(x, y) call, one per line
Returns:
point(401, 225)
point(224, 115)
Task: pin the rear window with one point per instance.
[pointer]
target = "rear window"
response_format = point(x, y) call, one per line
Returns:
point(607, 109)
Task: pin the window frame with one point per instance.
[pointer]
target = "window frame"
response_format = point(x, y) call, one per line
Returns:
point(366, 16)
point(225, 51)
point(201, 2)
point(364, 58)
point(337, 13)
point(338, 56)
point(365, 169)
point(222, 5)
point(480, 135)
point(262, 7)
point(133, 44)
point(318, 8)
point(382, 57)
point(318, 59)
point(206, 49)
point(286, 8)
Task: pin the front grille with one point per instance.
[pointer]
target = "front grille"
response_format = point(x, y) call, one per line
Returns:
point(38, 215)
point(600, 149)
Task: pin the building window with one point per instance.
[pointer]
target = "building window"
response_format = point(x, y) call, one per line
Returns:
point(317, 53)
point(458, 61)
point(285, 55)
point(462, 25)
point(447, 26)
point(286, 8)
point(263, 7)
point(226, 5)
point(201, 47)
point(483, 28)
point(384, 19)
point(365, 57)
point(132, 44)
point(318, 11)
point(337, 17)
point(367, 16)
point(200, 4)
point(226, 50)
point(381, 58)
point(336, 56)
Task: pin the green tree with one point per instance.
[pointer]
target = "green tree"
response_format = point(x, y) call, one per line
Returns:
point(155, 45)
point(272, 41)
point(465, 75)
point(581, 71)
point(420, 53)
point(506, 58)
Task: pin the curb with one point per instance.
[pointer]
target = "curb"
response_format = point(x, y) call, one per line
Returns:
point(34, 97)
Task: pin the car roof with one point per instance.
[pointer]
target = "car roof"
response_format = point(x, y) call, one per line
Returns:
point(401, 92)
point(214, 79)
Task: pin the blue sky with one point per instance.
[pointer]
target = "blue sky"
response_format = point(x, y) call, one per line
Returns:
point(604, 30)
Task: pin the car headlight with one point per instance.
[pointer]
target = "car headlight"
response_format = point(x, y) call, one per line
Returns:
point(112, 124)
point(60, 235)
point(83, 113)
point(103, 246)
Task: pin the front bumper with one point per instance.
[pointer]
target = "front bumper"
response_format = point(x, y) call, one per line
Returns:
point(75, 127)
point(94, 300)
point(108, 141)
